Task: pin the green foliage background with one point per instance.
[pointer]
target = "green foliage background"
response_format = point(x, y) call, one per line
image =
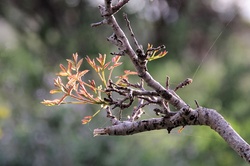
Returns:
point(36, 36)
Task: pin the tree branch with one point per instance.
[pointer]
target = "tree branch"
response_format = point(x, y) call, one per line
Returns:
point(184, 114)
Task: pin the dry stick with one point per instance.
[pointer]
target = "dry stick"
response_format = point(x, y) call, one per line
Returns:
point(185, 115)
point(131, 31)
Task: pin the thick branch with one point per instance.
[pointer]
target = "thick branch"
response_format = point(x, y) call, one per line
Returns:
point(186, 116)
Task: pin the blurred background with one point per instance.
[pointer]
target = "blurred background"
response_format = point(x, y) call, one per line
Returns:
point(208, 41)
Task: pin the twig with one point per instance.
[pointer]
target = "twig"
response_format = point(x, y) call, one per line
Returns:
point(183, 84)
point(167, 82)
point(131, 31)
point(119, 5)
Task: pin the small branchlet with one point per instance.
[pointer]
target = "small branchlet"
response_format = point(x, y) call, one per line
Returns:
point(129, 94)
point(167, 82)
point(166, 107)
point(118, 6)
point(137, 85)
point(113, 119)
point(123, 91)
point(131, 32)
point(142, 57)
point(138, 111)
point(197, 104)
point(99, 23)
point(158, 111)
point(183, 84)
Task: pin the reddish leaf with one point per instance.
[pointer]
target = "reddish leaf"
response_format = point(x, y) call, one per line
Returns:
point(116, 62)
point(86, 119)
point(63, 68)
point(63, 74)
point(93, 85)
point(116, 58)
point(75, 57)
point(70, 61)
point(53, 91)
point(106, 65)
point(101, 59)
point(50, 102)
point(69, 68)
point(128, 72)
point(92, 64)
point(79, 64)
point(82, 73)
point(58, 82)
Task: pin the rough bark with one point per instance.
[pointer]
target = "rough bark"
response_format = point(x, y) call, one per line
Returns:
point(186, 116)
point(183, 116)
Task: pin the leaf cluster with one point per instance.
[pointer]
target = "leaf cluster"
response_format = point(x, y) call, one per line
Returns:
point(70, 81)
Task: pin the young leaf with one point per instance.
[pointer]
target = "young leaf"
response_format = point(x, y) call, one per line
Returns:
point(86, 119)
point(50, 102)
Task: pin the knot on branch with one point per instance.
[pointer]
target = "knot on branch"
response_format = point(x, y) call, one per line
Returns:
point(142, 57)
point(165, 94)
point(118, 42)
point(109, 10)
point(185, 116)
point(142, 60)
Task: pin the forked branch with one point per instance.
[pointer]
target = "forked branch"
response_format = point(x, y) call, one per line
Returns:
point(184, 115)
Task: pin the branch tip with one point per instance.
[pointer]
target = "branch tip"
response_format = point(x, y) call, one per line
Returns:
point(167, 82)
point(131, 31)
point(99, 132)
point(99, 23)
point(183, 84)
point(197, 104)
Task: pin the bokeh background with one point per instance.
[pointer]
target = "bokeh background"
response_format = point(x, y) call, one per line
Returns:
point(208, 41)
